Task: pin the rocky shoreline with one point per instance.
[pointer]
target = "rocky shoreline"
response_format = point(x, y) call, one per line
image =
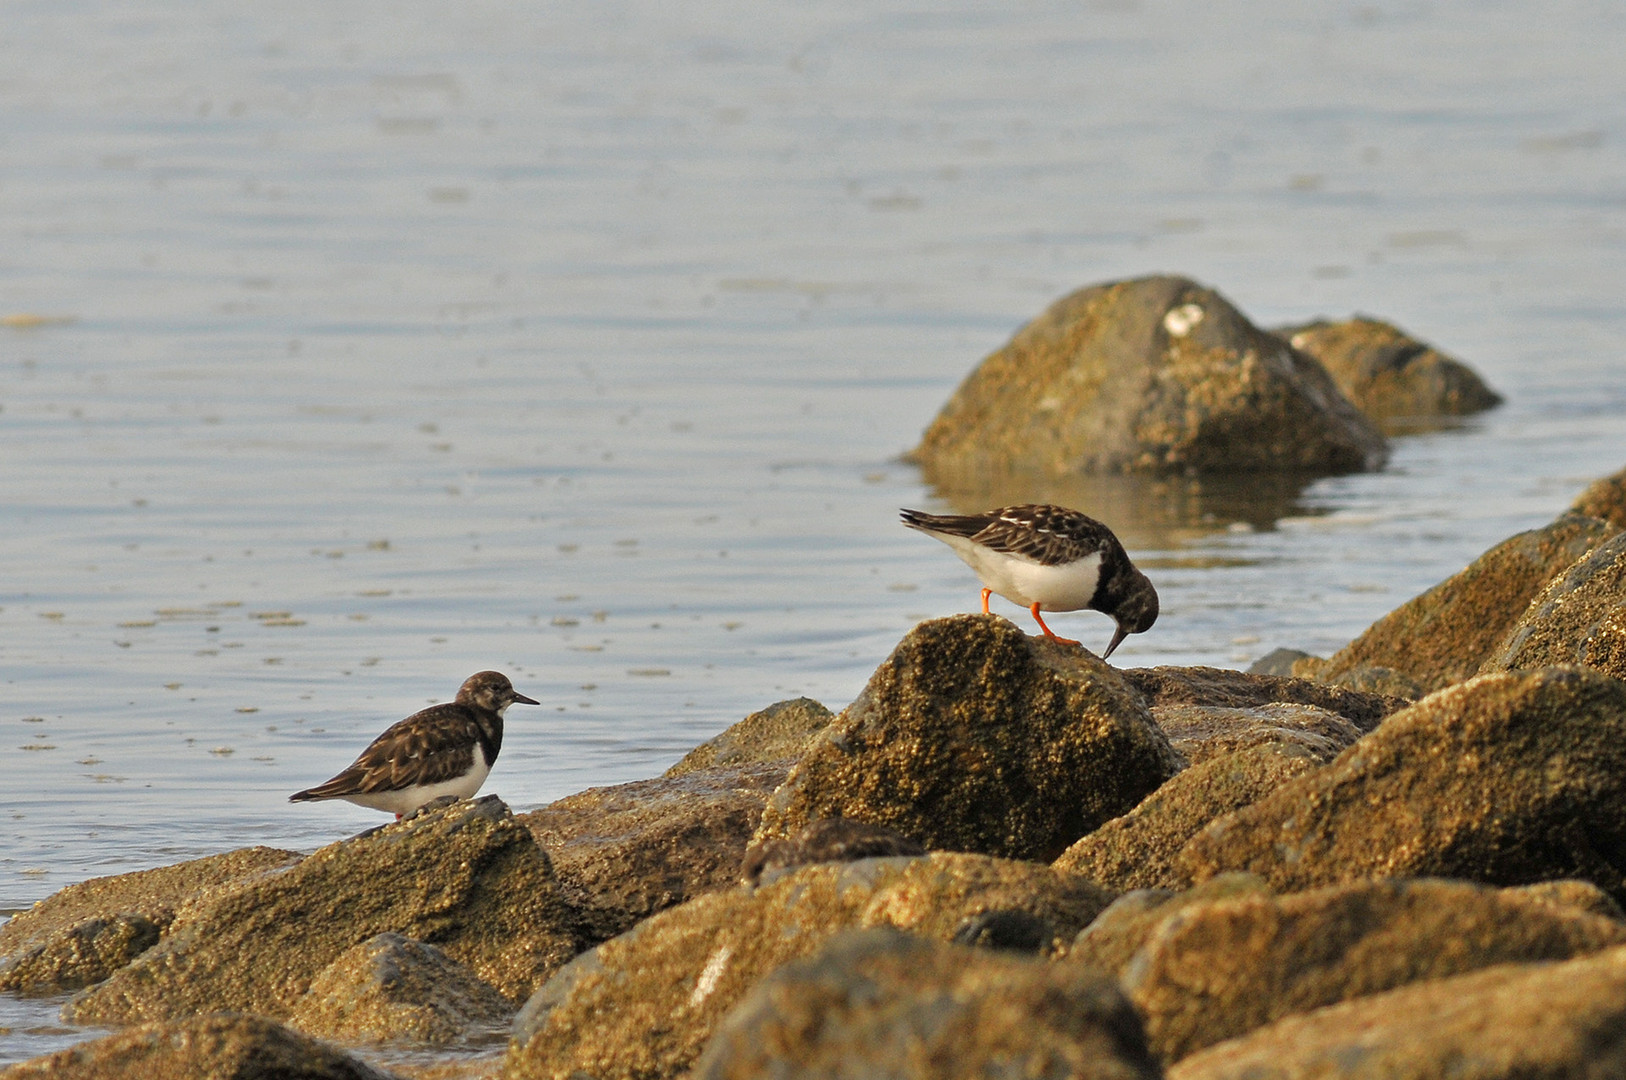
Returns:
point(1005, 857)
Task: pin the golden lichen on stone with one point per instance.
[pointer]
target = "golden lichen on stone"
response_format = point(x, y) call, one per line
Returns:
point(1579, 618)
point(973, 736)
point(1604, 498)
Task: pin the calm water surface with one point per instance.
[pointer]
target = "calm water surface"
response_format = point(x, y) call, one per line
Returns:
point(352, 350)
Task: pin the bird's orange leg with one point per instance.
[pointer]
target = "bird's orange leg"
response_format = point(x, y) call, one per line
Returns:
point(1065, 641)
point(985, 594)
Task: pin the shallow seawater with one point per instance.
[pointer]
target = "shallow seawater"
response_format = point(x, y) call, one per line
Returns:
point(347, 351)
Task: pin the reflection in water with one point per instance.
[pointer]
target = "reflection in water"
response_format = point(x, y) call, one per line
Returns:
point(1156, 513)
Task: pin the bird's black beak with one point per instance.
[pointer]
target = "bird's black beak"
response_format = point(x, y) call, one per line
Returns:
point(1116, 640)
point(521, 699)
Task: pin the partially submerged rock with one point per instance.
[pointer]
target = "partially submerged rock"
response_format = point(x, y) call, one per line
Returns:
point(1552, 1020)
point(1217, 970)
point(781, 732)
point(1579, 618)
point(467, 877)
point(644, 1004)
point(1388, 374)
point(973, 736)
point(393, 989)
point(210, 1046)
point(1445, 634)
point(80, 935)
point(1505, 779)
point(622, 853)
point(879, 1003)
point(1157, 375)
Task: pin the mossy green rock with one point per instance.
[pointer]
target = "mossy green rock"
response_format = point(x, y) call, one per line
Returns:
point(214, 1046)
point(1445, 634)
point(1579, 618)
point(1505, 779)
point(467, 878)
point(879, 1003)
point(1217, 970)
point(1388, 374)
point(623, 853)
point(1157, 375)
point(1550, 1021)
point(973, 736)
point(643, 1005)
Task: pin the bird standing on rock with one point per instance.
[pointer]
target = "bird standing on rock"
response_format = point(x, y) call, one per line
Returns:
point(444, 750)
point(1048, 558)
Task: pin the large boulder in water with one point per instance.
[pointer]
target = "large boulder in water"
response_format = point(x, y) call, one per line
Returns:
point(1158, 375)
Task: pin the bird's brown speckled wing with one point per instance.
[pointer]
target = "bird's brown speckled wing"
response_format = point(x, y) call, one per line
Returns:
point(429, 747)
point(1049, 535)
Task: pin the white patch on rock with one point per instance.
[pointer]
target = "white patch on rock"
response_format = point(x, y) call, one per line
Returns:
point(1180, 321)
point(713, 972)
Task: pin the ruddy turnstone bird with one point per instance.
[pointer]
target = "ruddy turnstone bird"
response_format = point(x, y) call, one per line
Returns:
point(1048, 558)
point(443, 750)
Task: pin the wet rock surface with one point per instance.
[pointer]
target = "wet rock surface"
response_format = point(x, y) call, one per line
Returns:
point(210, 1046)
point(622, 853)
point(1506, 779)
point(1216, 970)
point(393, 989)
point(1444, 635)
point(879, 1003)
point(1555, 1020)
point(645, 1004)
point(81, 934)
point(1579, 618)
point(1156, 375)
point(1388, 374)
point(973, 736)
point(467, 877)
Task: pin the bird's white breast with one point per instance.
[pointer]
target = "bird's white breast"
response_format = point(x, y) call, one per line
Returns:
point(1026, 581)
point(409, 799)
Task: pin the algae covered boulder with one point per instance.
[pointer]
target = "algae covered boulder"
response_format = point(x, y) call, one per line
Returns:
point(973, 736)
point(80, 935)
point(393, 989)
point(1157, 375)
point(1443, 635)
point(879, 1003)
point(1506, 779)
point(1554, 1021)
point(467, 877)
point(1388, 374)
point(645, 1004)
point(1579, 618)
point(623, 853)
point(1217, 970)
point(212, 1046)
